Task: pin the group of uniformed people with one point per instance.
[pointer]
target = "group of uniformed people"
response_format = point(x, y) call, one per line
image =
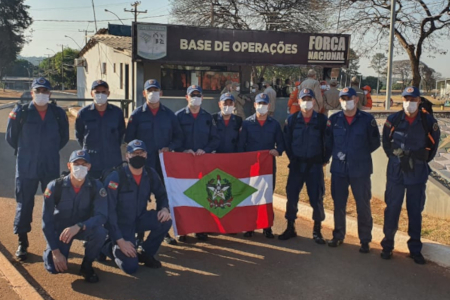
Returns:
point(108, 213)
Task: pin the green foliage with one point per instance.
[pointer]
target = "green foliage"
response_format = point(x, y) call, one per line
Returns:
point(51, 68)
point(370, 81)
point(20, 68)
point(398, 86)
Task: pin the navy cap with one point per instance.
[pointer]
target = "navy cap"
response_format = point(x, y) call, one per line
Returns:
point(136, 145)
point(411, 91)
point(262, 98)
point(41, 82)
point(194, 88)
point(80, 154)
point(306, 93)
point(226, 96)
point(152, 83)
point(98, 83)
point(347, 91)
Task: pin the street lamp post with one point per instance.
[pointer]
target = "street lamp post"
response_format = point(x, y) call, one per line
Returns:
point(73, 41)
point(115, 15)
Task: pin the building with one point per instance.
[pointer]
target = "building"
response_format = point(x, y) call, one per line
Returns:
point(17, 83)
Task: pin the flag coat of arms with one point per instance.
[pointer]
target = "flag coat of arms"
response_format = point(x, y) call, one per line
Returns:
point(219, 193)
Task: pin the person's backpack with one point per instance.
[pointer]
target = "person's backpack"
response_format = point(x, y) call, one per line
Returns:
point(57, 190)
point(426, 104)
point(24, 115)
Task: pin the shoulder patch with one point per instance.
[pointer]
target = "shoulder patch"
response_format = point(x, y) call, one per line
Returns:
point(329, 123)
point(47, 193)
point(388, 124)
point(435, 126)
point(374, 123)
point(12, 115)
point(113, 185)
point(103, 192)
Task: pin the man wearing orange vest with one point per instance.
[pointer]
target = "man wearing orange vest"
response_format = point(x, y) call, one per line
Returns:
point(293, 106)
point(367, 89)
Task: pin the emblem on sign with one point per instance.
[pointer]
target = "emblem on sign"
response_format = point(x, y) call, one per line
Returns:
point(151, 41)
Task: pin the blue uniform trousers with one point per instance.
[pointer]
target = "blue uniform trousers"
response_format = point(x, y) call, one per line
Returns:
point(25, 191)
point(415, 202)
point(95, 238)
point(361, 188)
point(315, 187)
point(148, 221)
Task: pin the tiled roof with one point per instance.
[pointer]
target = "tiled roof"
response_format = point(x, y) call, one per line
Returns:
point(120, 43)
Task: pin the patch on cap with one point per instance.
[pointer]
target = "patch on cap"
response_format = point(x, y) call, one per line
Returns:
point(264, 96)
point(305, 91)
point(41, 80)
point(227, 95)
point(345, 90)
point(80, 153)
point(193, 86)
point(99, 81)
point(151, 81)
point(137, 143)
point(410, 90)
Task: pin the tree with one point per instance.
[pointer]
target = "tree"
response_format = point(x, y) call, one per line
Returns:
point(371, 81)
point(420, 25)
point(52, 68)
point(275, 15)
point(20, 68)
point(14, 20)
point(353, 67)
point(378, 63)
point(402, 68)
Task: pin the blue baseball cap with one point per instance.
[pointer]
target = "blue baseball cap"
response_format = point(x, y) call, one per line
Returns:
point(227, 96)
point(411, 91)
point(262, 98)
point(80, 154)
point(347, 91)
point(152, 83)
point(136, 145)
point(306, 93)
point(98, 83)
point(41, 82)
point(194, 88)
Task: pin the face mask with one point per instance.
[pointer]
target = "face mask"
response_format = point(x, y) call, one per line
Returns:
point(100, 99)
point(41, 99)
point(79, 172)
point(137, 161)
point(348, 105)
point(253, 90)
point(410, 107)
point(306, 105)
point(153, 97)
point(227, 110)
point(323, 87)
point(262, 109)
point(195, 101)
point(366, 92)
point(238, 89)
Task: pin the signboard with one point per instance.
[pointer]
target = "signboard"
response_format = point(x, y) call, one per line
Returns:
point(217, 46)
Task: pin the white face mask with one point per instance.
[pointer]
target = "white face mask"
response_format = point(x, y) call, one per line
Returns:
point(253, 90)
point(410, 107)
point(238, 89)
point(195, 101)
point(306, 105)
point(153, 97)
point(323, 87)
point(262, 109)
point(227, 110)
point(366, 92)
point(100, 99)
point(79, 172)
point(41, 99)
point(348, 105)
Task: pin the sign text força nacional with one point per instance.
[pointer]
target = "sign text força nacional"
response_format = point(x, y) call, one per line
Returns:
point(217, 46)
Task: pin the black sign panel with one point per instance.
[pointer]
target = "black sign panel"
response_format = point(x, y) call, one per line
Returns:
point(216, 46)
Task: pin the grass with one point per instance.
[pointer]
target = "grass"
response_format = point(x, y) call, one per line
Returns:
point(433, 228)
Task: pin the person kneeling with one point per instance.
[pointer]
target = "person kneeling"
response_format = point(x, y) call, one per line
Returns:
point(75, 207)
point(129, 189)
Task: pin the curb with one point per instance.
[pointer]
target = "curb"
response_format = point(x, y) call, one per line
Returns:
point(19, 284)
point(433, 251)
point(7, 105)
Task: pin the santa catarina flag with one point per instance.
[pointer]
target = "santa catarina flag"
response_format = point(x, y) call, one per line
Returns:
point(221, 193)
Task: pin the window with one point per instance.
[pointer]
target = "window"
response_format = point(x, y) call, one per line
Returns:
point(121, 76)
point(104, 68)
point(114, 68)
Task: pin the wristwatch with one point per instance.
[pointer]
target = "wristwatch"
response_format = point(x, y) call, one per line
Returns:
point(81, 225)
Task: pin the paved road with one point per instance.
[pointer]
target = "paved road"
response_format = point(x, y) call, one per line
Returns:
point(227, 267)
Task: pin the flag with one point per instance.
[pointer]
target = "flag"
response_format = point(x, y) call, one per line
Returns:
point(219, 193)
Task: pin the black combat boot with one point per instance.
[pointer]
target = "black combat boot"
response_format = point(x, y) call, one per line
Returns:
point(87, 271)
point(268, 233)
point(289, 232)
point(22, 252)
point(317, 234)
point(170, 240)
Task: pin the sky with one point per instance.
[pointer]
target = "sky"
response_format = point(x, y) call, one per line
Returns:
point(51, 34)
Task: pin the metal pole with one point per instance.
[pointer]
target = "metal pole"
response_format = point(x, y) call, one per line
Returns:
point(339, 16)
point(73, 41)
point(115, 15)
point(391, 56)
point(95, 19)
point(212, 13)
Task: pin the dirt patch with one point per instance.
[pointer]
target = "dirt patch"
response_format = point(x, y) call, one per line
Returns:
point(433, 228)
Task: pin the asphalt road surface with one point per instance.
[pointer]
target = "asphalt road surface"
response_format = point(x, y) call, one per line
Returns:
point(225, 267)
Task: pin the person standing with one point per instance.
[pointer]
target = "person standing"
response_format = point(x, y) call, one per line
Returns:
point(352, 135)
point(304, 136)
point(269, 91)
point(99, 129)
point(331, 98)
point(261, 132)
point(37, 131)
point(228, 125)
point(314, 85)
point(367, 89)
point(410, 141)
point(362, 102)
point(239, 100)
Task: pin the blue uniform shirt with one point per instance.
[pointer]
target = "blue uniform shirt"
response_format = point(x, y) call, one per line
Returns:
point(306, 141)
point(352, 144)
point(72, 209)
point(101, 136)
point(229, 135)
point(410, 138)
point(254, 137)
point(39, 141)
point(199, 133)
point(157, 132)
point(127, 206)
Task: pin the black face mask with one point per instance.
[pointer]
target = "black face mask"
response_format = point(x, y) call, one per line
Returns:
point(137, 162)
